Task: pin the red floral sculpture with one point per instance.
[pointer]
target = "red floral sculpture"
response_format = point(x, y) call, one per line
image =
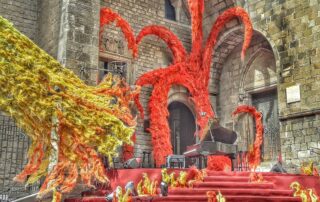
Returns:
point(255, 153)
point(188, 70)
point(128, 150)
point(219, 163)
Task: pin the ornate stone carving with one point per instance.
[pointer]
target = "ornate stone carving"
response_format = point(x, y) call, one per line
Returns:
point(111, 43)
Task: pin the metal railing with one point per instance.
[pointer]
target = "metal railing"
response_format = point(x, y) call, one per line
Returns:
point(13, 156)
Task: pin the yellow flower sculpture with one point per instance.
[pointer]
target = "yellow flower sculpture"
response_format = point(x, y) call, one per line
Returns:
point(184, 179)
point(146, 187)
point(308, 168)
point(61, 114)
point(122, 196)
point(306, 195)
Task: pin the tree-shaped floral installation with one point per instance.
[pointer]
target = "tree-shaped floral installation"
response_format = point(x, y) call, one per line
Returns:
point(188, 70)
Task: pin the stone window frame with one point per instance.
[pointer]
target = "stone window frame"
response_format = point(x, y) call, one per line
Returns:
point(179, 6)
point(170, 10)
point(129, 73)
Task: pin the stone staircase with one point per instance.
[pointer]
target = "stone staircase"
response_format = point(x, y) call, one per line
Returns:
point(233, 186)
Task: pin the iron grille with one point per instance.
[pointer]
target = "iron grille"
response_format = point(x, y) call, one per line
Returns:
point(116, 68)
point(13, 156)
point(266, 103)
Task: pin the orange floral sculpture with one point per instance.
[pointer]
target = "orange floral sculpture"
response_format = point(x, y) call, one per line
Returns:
point(128, 150)
point(195, 175)
point(254, 154)
point(188, 70)
point(256, 177)
point(219, 163)
point(213, 197)
point(69, 123)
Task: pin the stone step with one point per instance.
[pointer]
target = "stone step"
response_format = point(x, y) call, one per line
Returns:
point(229, 198)
point(226, 178)
point(231, 191)
point(230, 184)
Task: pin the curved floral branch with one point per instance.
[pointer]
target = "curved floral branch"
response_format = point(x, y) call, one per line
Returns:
point(204, 110)
point(150, 78)
point(168, 37)
point(159, 127)
point(34, 162)
point(162, 80)
point(255, 155)
point(196, 10)
point(107, 16)
point(217, 27)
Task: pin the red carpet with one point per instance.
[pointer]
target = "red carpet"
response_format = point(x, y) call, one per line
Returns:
point(235, 186)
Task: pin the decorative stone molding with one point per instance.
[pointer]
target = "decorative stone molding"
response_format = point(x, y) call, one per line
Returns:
point(113, 44)
point(180, 94)
point(243, 93)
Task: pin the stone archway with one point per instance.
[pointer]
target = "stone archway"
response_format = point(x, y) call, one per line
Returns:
point(258, 87)
point(258, 74)
point(252, 82)
point(181, 119)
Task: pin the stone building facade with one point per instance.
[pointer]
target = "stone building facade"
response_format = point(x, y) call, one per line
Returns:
point(287, 55)
point(284, 52)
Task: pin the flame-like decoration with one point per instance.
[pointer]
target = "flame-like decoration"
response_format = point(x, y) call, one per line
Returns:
point(255, 154)
point(190, 71)
point(306, 195)
point(68, 122)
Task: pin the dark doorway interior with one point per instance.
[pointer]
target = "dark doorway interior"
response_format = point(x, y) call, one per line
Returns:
point(267, 104)
point(182, 126)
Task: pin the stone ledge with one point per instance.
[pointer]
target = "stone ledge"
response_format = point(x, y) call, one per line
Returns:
point(299, 114)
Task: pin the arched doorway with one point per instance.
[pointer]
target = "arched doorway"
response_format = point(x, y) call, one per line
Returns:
point(252, 81)
point(182, 127)
point(259, 85)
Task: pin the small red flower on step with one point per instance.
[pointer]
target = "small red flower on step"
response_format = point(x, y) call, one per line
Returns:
point(219, 163)
point(256, 178)
point(211, 196)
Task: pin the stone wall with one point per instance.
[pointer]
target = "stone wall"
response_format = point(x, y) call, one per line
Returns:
point(153, 53)
point(292, 28)
point(299, 136)
point(23, 14)
point(49, 26)
point(78, 38)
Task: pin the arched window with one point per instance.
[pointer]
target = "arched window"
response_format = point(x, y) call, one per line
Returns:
point(170, 10)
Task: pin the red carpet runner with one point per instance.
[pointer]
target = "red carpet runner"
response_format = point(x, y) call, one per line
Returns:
point(234, 186)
